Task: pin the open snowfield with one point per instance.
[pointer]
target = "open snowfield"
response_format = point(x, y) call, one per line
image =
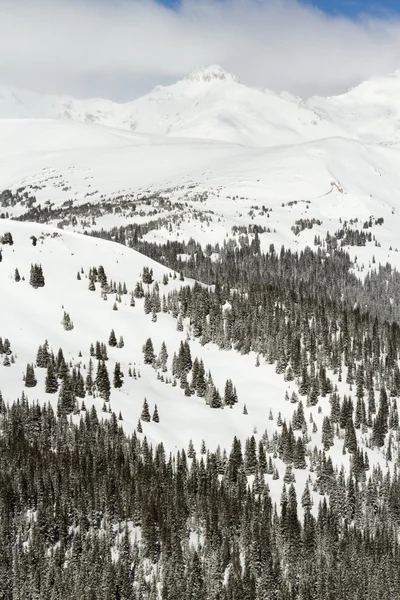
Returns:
point(207, 135)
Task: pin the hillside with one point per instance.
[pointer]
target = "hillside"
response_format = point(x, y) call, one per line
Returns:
point(36, 315)
point(199, 344)
point(208, 104)
point(88, 178)
point(369, 111)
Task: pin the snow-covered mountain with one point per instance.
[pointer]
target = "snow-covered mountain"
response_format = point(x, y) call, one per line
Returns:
point(244, 198)
point(212, 104)
point(369, 111)
point(208, 104)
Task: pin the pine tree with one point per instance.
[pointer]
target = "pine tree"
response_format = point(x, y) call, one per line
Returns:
point(51, 383)
point(66, 396)
point(163, 357)
point(191, 451)
point(155, 416)
point(102, 381)
point(79, 385)
point(36, 277)
point(118, 378)
point(145, 415)
point(112, 340)
point(148, 352)
point(67, 322)
point(327, 434)
point(30, 379)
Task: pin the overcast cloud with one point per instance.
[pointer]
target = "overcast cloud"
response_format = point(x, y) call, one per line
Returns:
point(121, 48)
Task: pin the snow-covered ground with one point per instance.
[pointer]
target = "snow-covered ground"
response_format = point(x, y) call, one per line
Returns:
point(208, 104)
point(224, 156)
point(30, 316)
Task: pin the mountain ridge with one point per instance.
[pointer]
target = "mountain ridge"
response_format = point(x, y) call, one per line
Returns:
point(207, 104)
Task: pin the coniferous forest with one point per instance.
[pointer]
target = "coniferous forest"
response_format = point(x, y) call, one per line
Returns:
point(90, 512)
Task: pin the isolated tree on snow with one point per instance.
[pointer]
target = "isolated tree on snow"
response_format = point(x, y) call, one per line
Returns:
point(145, 416)
point(148, 352)
point(155, 416)
point(66, 322)
point(112, 340)
point(30, 379)
point(163, 357)
point(7, 238)
point(117, 379)
point(36, 278)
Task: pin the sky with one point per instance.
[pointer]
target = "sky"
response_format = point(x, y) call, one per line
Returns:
point(349, 8)
point(354, 8)
point(120, 49)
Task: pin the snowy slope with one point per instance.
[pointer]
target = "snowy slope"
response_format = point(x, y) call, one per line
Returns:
point(70, 160)
point(23, 104)
point(331, 180)
point(208, 104)
point(212, 104)
point(223, 156)
point(30, 316)
point(370, 111)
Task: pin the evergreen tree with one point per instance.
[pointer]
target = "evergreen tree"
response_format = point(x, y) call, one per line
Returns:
point(118, 378)
point(155, 416)
point(66, 396)
point(103, 381)
point(51, 383)
point(30, 379)
point(112, 340)
point(145, 415)
point(36, 277)
point(148, 352)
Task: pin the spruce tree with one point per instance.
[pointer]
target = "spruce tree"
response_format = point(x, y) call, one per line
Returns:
point(103, 381)
point(117, 379)
point(148, 352)
point(30, 379)
point(145, 415)
point(51, 383)
point(155, 416)
point(112, 340)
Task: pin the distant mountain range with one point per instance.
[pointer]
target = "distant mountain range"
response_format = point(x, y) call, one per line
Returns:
point(212, 104)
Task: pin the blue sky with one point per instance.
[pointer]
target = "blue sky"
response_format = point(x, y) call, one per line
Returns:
point(348, 8)
point(353, 8)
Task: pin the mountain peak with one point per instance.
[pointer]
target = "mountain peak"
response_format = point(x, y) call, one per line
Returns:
point(211, 73)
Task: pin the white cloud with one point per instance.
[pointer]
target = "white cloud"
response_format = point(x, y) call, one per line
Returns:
point(120, 48)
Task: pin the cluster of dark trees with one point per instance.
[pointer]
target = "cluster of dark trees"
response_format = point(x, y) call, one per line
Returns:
point(301, 312)
point(36, 277)
point(302, 224)
point(348, 237)
point(72, 496)
point(6, 352)
point(73, 493)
